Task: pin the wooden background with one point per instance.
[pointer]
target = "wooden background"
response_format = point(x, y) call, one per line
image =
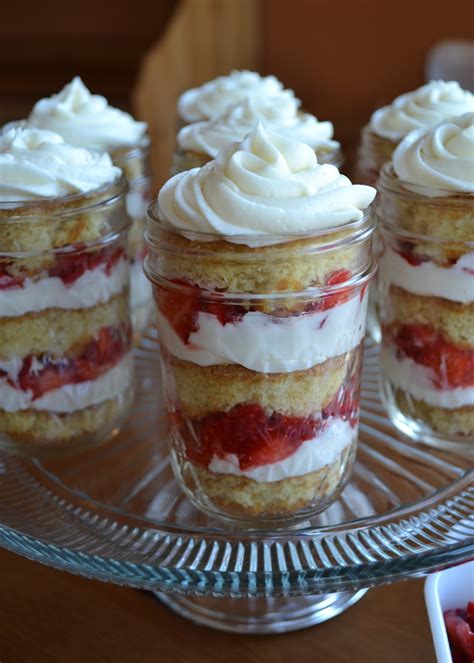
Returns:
point(342, 57)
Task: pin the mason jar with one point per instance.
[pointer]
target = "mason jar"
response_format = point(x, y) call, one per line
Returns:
point(135, 164)
point(426, 296)
point(66, 372)
point(261, 353)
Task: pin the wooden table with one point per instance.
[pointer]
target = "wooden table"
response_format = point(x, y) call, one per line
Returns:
point(48, 616)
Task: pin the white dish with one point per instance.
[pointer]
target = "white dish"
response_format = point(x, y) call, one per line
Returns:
point(446, 590)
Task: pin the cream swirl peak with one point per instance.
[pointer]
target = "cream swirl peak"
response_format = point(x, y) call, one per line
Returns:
point(37, 164)
point(280, 115)
point(86, 120)
point(215, 97)
point(265, 186)
point(441, 159)
point(421, 109)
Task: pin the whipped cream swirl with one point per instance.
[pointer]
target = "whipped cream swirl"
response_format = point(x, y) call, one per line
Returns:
point(38, 164)
point(214, 97)
point(86, 120)
point(441, 159)
point(423, 108)
point(265, 186)
point(280, 115)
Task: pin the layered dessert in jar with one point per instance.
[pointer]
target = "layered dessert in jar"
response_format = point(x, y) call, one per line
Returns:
point(215, 97)
point(87, 120)
point(65, 332)
point(426, 209)
point(259, 263)
point(420, 109)
point(200, 142)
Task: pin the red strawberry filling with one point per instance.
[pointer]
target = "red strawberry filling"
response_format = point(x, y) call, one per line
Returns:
point(452, 366)
point(258, 438)
point(182, 306)
point(69, 266)
point(460, 628)
point(40, 374)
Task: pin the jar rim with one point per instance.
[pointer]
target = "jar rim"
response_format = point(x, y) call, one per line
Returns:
point(23, 210)
point(157, 222)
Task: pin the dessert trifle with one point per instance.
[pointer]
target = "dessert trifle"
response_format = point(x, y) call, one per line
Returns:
point(65, 333)
point(87, 120)
point(259, 263)
point(422, 108)
point(200, 142)
point(426, 209)
point(215, 97)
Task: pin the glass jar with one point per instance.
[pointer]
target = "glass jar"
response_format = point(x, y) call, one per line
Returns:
point(135, 164)
point(65, 334)
point(261, 353)
point(186, 159)
point(426, 297)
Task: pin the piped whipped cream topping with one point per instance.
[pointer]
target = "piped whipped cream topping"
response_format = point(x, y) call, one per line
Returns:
point(440, 159)
point(423, 108)
point(214, 97)
point(312, 456)
point(37, 164)
point(86, 120)
point(280, 115)
point(265, 186)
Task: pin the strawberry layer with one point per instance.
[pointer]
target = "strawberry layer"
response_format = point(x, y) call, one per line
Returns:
point(269, 344)
point(313, 455)
point(421, 276)
point(65, 286)
point(25, 381)
point(71, 397)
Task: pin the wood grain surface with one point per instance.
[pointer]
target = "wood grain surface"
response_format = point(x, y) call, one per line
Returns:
point(48, 616)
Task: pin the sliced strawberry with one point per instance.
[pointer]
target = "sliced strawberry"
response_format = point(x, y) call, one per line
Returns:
point(225, 313)
point(180, 308)
point(452, 365)
point(461, 637)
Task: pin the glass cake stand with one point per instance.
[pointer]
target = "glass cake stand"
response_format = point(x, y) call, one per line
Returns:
point(115, 513)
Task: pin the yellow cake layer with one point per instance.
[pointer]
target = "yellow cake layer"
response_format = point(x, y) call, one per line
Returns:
point(454, 320)
point(201, 390)
point(42, 428)
point(459, 421)
point(246, 498)
point(58, 331)
point(286, 267)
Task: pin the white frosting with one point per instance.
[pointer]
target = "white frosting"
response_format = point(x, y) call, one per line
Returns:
point(418, 381)
point(211, 136)
point(421, 109)
point(441, 159)
point(71, 397)
point(37, 164)
point(266, 185)
point(93, 287)
point(216, 96)
point(312, 456)
point(86, 120)
point(271, 345)
point(455, 282)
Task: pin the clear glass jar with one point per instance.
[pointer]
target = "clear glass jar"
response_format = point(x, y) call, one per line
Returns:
point(135, 164)
point(261, 353)
point(65, 335)
point(426, 298)
point(185, 160)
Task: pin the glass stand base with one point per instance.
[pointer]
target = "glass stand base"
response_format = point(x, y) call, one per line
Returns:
point(260, 615)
